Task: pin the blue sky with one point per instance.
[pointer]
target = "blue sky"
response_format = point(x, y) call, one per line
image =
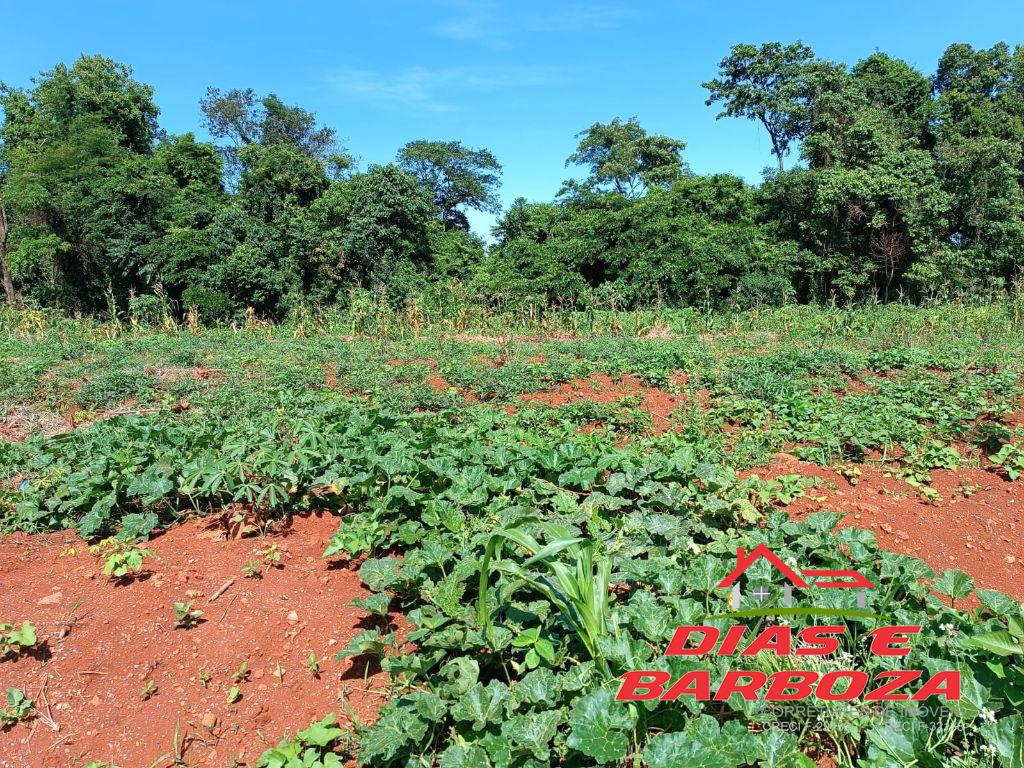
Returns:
point(520, 78)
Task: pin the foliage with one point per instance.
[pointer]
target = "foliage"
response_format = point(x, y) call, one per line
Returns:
point(623, 158)
point(458, 177)
point(767, 84)
point(14, 640)
point(120, 557)
point(908, 185)
point(19, 707)
point(534, 560)
point(186, 616)
point(311, 748)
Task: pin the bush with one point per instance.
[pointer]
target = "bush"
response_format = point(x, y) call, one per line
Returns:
point(211, 305)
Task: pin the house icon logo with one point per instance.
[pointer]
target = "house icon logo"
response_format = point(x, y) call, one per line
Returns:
point(803, 578)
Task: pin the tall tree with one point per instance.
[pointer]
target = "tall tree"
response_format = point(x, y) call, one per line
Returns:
point(237, 115)
point(458, 177)
point(767, 84)
point(622, 157)
point(979, 126)
point(82, 199)
point(5, 270)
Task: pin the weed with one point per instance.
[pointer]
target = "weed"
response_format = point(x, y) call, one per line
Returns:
point(14, 640)
point(313, 664)
point(186, 616)
point(19, 707)
point(1011, 458)
point(121, 558)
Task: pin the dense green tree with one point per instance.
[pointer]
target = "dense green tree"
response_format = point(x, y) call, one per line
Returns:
point(767, 83)
point(80, 194)
point(458, 176)
point(622, 157)
point(237, 115)
point(906, 186)
point(980, 137)
point(376, 228)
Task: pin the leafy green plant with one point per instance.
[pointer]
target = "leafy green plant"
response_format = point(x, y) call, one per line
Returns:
point(14, 639)
point(186, 616)
point(148, 690)
point(313, 747)
point(313, 664)
point(357, 534)
point(579, 590)
point(269, 557)
point(19, 707)
point(121, 558)
point(1011, 458)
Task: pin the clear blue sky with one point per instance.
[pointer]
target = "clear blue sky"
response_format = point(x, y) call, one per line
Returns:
point(519, 78)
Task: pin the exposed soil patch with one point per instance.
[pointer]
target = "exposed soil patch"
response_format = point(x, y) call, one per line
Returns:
point(174, 374)
point(20, 421)
point(976, 527)
point(104, 642)
point(601, 388)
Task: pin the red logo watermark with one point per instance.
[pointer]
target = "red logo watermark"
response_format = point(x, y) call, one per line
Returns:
point(818, 640)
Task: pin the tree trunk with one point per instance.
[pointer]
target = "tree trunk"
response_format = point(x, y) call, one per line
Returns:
point(5, 271)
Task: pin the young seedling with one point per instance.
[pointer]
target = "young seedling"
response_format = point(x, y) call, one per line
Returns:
point(19, 707)
point(121, 558)
point(14, 640)
point(205, 677)
point(269, 557)
point(148, 690)
point(313, 664)
point(253, 570)
point(234, 694)
point(187, 616)
point(242, 673)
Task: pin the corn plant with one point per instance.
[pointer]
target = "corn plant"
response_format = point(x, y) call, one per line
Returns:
point(579, 589)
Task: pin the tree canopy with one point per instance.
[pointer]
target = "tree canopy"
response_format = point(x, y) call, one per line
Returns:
point(902, 184)
point(458, 177)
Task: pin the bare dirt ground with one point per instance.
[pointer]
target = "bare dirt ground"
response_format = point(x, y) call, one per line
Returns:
point(601, 388)
point(976, 527)
point(103, 642)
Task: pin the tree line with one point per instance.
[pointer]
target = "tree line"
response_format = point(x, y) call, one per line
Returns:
point(898, 184)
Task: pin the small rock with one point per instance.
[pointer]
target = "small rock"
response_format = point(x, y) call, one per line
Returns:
point(257, 674)
point(51, 599)
point(209, 721)
point(293, 617)
point(886, 527)
point(902, 535)
point(1011, 559)
point(94, 701)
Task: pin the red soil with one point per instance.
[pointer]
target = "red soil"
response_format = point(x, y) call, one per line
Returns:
point(977, 531)
point(103, 641)
point(601, 388)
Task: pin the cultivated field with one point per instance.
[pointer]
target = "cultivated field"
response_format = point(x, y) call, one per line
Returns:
point(443, 545)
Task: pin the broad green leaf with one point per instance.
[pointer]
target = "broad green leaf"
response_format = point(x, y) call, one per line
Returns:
point(999, 642)
point(953, 583)
point(599, 726)
point(482, 705)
